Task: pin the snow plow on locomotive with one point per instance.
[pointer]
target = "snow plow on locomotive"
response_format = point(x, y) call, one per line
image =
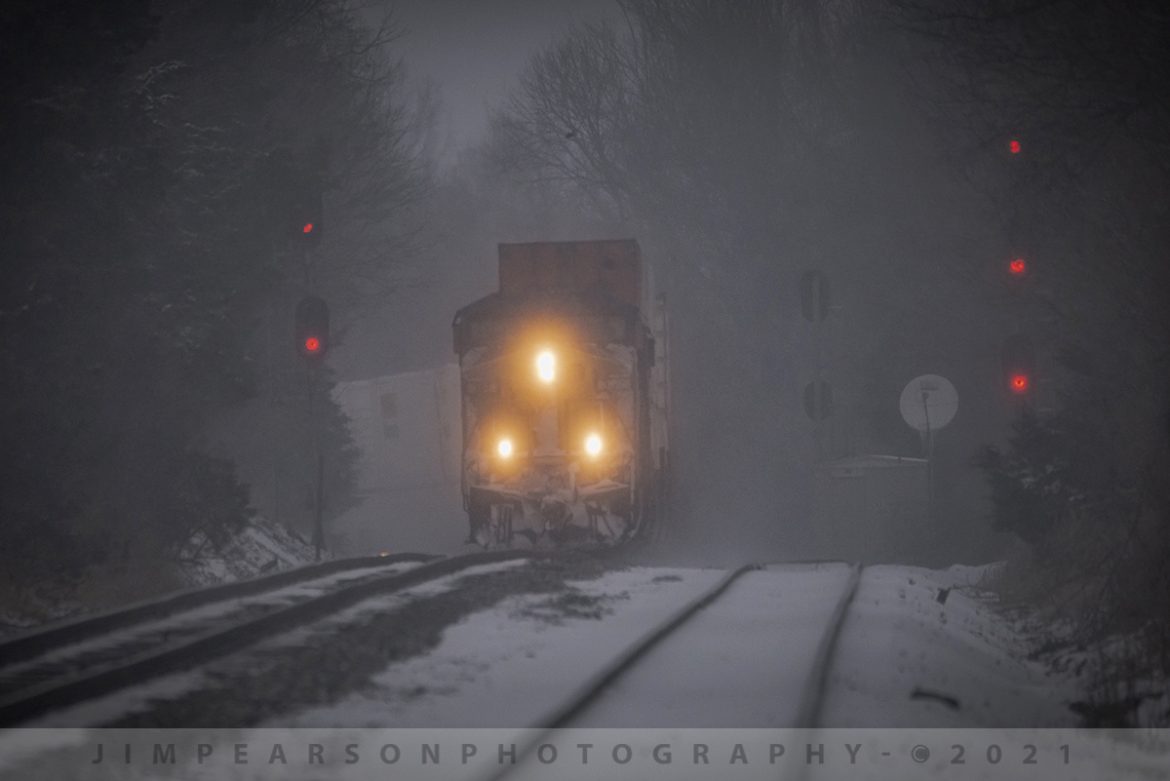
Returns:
point(564, 397)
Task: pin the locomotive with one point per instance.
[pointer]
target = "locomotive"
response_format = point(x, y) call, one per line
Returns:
point(565, 395)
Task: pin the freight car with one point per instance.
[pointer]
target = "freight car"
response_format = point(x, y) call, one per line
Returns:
point(565, 397)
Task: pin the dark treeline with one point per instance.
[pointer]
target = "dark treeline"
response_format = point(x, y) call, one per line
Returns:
point(148, 155)
point(744, 142)
point(1083, 478)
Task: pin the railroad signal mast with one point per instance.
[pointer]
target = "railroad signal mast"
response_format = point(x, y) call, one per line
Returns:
point(306, 225)
point(293, 189)
point(1018, 354)
point(311, 337)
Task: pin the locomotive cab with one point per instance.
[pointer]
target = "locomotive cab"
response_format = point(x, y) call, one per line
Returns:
point(558, 397)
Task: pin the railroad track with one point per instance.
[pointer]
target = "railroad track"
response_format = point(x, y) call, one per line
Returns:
point(37, 675)
point(813, 695)
point(43, 640)
point(807, 713)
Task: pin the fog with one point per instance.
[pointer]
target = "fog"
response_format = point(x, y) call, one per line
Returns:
point(179, 175)
point(753, 164)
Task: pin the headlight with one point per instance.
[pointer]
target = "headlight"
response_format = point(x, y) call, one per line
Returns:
point(546, 366)
point(593, 445)
point(504, 448)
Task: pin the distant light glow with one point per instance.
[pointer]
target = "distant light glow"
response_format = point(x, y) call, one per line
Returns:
point(504, 448)
point(312, 344)
point(308, 228)
point(593, 445)
point(1018, 266)
point(546, 366)
point(1020, 383)
point(1014, 146)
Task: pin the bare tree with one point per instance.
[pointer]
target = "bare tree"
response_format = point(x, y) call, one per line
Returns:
point(1076, 84)
point(746, 142)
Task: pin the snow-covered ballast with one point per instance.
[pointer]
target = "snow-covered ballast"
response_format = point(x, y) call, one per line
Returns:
point(556, 396)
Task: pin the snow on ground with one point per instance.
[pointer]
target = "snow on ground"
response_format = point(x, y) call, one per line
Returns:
point(906, 659)
point(1121, 681)
point(140, 698)
point(106, 709)
point(261, 546)
point(206, 615)
point(762, 635)
point(36, 610)
point(511, 665)
point(389, 602)
point(903, 659)
point(946, 679)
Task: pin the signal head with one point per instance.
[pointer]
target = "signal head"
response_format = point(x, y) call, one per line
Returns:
point(1019, 364)
point(306, 215)
point(311, 328)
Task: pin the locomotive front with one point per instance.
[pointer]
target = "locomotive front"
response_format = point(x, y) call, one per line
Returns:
point(557, 397)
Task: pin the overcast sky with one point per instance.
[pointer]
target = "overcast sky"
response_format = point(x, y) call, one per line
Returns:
point(475, 49)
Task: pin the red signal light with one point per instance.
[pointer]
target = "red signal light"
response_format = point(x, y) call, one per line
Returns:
point(1017, 267)
point(311, 328)
point(307, 229)
point(1014, 146)
point(1020, 383)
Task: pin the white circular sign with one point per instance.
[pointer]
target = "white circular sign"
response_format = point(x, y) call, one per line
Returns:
point(929, 402)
